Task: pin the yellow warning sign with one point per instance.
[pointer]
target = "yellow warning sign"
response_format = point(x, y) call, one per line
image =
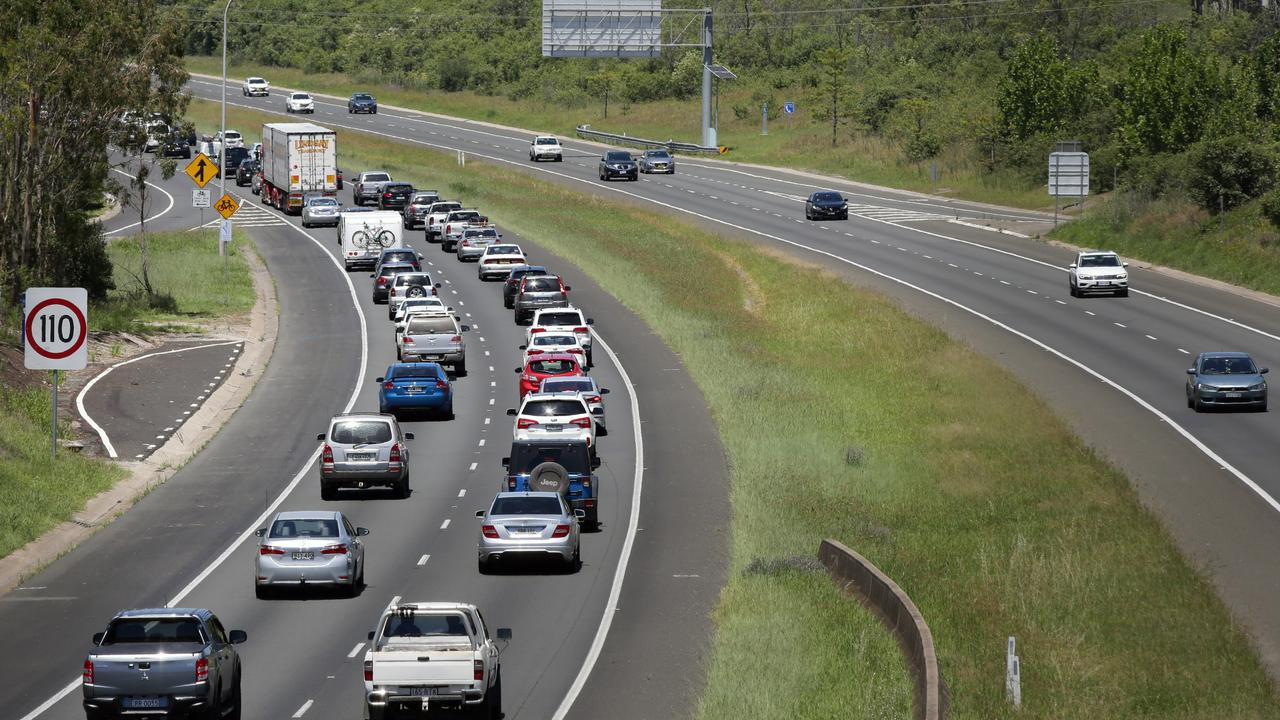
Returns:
point(202, 169)
point(226, 206)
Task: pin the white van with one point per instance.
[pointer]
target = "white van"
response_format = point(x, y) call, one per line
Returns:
point(364, 235)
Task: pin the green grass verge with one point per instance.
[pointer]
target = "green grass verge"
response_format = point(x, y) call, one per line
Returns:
point(191, 284)
point(35, 493)
point(1240, 247)
point(794, 142)
point(843, 417)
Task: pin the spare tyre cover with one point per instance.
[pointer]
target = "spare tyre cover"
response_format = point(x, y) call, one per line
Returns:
point(549, 477)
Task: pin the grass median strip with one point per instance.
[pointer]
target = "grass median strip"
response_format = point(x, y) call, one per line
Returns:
point(843, 417)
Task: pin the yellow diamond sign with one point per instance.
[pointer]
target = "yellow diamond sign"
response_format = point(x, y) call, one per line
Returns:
point(202, 169)
point(226, 206)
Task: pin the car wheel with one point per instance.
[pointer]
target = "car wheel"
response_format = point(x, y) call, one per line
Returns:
point(1196, 404)
point(237, 704)
point(447, 413)
point(1123, 293)
point(402, 489)
point(460, 369)
point(262, 592)
point(1072, 289)
point(484, 567)
point(1189, 403)
point(559, 159)
point(590, 363)
point(572, 564)
point(495, 695)
point(328, 491)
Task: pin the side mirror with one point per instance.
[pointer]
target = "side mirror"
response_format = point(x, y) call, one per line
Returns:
point(465, 328)
point(590, 321)
point(517, 370)
point(437, 286)
point(597, 411)
point(567, 288)
point(479, 513)
point(1264, 371)
point(259, 532)
point(408, 436)
point(362, 531)
point(320, 437)
point(370, 634)
point(604, 391)
point(595, 463)
point(506, 461)
point(97, 638)
point(580, 514)
point(524, 347)
point(237, 636)
point(511, 411)
point(378, 380)
point(1124, 264)
point(1191, 371)
point(504, 633)
point(371, 275)
point(1072, 266)
point(450, 309)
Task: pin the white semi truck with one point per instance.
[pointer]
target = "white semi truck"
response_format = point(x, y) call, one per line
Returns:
point(298, 159)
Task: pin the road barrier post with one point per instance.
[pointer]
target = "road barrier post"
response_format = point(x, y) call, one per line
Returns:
point(1013, 673)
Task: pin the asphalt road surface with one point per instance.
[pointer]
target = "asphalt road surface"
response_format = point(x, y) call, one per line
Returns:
point(1115, 368)
point(184, 543)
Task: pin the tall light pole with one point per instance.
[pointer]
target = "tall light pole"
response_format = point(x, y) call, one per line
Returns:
point(222, 144)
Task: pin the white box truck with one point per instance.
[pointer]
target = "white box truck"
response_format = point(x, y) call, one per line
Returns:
point(298, 159)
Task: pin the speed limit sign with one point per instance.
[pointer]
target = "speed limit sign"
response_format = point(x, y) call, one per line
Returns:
point(56, 328)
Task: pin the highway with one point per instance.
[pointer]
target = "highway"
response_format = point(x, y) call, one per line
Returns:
point(185, 543)
point(1113, 367)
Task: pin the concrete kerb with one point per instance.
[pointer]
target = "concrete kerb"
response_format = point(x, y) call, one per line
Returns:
point(259, 343)
point(858, 576)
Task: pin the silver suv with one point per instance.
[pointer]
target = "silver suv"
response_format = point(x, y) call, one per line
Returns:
point(537, 292)
point(364, 450)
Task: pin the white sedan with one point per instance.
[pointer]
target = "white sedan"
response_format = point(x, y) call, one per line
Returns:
point(299, 102)
point(553, 416)
point(497, 261)
point(547, 343)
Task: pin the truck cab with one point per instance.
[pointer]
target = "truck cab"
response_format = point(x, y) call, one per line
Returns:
point(529, 462)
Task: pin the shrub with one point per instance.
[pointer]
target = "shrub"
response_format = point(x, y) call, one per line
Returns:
point(1271, 207)
point(1225, 173)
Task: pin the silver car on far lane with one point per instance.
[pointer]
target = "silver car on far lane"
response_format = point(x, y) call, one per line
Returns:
point(529, 524)
point(306, 547)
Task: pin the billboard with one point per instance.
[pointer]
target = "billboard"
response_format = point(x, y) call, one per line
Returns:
point(601, 28)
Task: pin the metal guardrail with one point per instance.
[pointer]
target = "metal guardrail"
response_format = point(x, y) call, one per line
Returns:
point(585, 131)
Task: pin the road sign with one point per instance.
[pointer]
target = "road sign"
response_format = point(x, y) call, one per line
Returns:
point(226, 206)
point(202, 169)
point(56, 328)
point(200, 199)
point(1069, 174)
point(789, 108)
point(224, 232)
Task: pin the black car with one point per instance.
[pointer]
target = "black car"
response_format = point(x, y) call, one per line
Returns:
point(618, 163)
point(394, 196)
point(826, 204)
point(175, 147)
point(235, 156)
point(399, 255)
point(362, 103)
point(248, 168)
point(384, 277)
point(512, 283)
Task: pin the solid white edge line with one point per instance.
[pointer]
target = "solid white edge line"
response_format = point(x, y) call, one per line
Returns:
point(153, 217)
point(356, 650)
point(303, 710)
point(288, 489)
point(102, 434)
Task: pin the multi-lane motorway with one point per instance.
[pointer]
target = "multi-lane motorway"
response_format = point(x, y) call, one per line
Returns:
point(1113, 367)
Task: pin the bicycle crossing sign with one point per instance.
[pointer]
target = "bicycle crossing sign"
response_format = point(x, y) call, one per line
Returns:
point(201, 169)
point(226, 206)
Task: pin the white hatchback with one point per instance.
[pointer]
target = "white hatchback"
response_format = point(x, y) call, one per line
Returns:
point(554, 416)
point(498, 260)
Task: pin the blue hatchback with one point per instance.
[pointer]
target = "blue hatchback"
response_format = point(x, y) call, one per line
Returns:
point(415, 386)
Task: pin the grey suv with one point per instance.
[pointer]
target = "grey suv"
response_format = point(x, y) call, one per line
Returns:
point(364, 450)
point(537, 292)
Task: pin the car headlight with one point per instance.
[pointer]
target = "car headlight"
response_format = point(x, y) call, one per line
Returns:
point(1211, 388)
point(1259, 386)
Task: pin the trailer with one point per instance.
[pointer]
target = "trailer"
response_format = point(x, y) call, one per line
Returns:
point(298, 159)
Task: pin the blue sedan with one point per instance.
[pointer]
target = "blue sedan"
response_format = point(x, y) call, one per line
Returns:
point(415, 386)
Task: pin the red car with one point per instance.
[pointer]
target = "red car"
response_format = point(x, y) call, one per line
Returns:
point(545, 366)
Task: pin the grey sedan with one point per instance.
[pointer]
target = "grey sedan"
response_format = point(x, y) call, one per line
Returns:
point(301, 548)
point(1226, 379)
point(320, 210)
point(657, 161)
point(364, 450)
point(529, 524)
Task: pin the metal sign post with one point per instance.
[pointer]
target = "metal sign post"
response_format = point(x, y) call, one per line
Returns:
point(1068, 177)
point(764, 119)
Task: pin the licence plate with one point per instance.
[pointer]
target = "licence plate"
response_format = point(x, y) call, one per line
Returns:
point(1103, 282)
point(1234, 395)
point(356, 457)
point(304, 556)
point(422, 691)
point(553, 428)
point(414, 390)
point(139, 703)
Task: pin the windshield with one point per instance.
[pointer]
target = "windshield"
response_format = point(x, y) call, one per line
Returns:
point(301, 96)
point(256, 80)
point(541, 284)
point(526, 506)
point(559, 318)
point(617, 156)
point(548, 141)
point(377, 177)
point(410, 624)
point(553, 367)
point(543, 339)
point(305, 528)
point(1228, 366)
point(153, 630)
point(362, 96)
point(573, 456)
point(553, 408)
point(233, 135)
point(661, 154)
point(360, 432)
point(1099, 261)
point(827, 197)
point(430, 326)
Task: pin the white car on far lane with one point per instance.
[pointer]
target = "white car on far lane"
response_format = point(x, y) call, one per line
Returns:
point(546, 147)
point(497, 260)
point(554, 416)
point(299, 102)
point(1096, 271)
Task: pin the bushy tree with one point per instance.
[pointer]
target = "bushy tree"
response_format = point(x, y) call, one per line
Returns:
point(1041, 92)
point(1168, 93)
point(1227, 172)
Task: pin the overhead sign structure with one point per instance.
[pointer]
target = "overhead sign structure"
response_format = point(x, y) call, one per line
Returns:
point(200, 199)
point(1069, 174)
point(226, 206)
point(602, 28)
point(201, 169)
point(56, 328)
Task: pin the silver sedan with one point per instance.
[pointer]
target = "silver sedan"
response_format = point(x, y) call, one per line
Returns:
point(301, 548)
point(529, 524)
point(320, 210)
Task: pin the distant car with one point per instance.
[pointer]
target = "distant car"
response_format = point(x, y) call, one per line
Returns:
point(394, 196)
point(174, 147)
point(474, 242)
point(383, 278)
point(826, 205)
point(426, 305)
point(563, 319)
point(497, 260)
point(309, 547)
point(436, 215)
point(246, 170)
point(537, 292)
point(1226, 379)
point(235, 156)
point(256, 86)
point(233, 139)
point(399, 255)
point(657, 161)
point(415, 212)
point(546, 147)
point(511, 284)
point(320, 210)
point(590, 390)
point(618, 163)
point(363, 450)
point(300, 102)
point(415, 386)
point(157, 132)
point(362, 103)
point(557, 416)
point(453, 225)
point(409, 285)
point(528, 524)
point(368, 187)
point(433, 338)
point(553, 343)
point(544, 366)
point(1098, 272)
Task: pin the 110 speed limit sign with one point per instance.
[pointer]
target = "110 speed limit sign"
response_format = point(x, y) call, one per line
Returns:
point(56, 328)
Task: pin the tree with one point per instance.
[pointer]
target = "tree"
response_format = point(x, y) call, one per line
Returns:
point(1169, 93)
point(834, 89)
point(602, 84)
point(1041, 92)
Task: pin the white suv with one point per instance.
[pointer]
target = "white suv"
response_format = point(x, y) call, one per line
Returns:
point(299, 102)
point(1096, 271)
point(563, 320)
point(554, 416)
point(255, 86)
point(545, 147)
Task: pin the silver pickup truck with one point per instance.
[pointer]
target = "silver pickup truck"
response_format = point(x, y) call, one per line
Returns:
point(369, 186)
point(171, 662)
point(433, 655)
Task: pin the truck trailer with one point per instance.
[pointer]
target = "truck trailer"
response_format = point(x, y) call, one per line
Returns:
point(298, 159)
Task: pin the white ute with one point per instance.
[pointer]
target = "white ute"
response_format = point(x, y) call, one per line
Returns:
point(546, 147)
point(433, 655)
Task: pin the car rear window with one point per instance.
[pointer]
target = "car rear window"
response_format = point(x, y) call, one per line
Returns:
point(430, 326)
point(549, 408)
point(559, 318)
point(552, 367)
point(377, 177)
point(153, 630)
point(504, 250)
point(368, 432)
point(305, 528)
point(422, 370)
point(544, 339)
point(484, 233)
point(541, 284)
point(445, 207)
point(399, 256)
point(409, 624)
point(398, 187)
point(526, 506)
point(525, 457)
point(566, 385)
point(464, 215)
point(412, 279)
point(389, 270)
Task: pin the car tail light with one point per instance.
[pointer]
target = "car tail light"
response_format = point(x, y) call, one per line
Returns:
point(202, 669)
point(560, 531)
point(581, 329)
point(591, 398)
point(534, 352)
point(382, 280)
point(466, 243)
point(388, 385)
point(537, 330)
point(576, 351)
point(339, 549)
point(525, 423)
point(581, 422)
point(326, 456)
point(489, 531)
point(408, 340)
point(270, 550)
point(386, 194)
point(442, 385)
point(393, 460)
point(511, 484)
point(368, 671)
point(456, 338)
point(529, 378)
point(477, 667)
point(88, 672)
